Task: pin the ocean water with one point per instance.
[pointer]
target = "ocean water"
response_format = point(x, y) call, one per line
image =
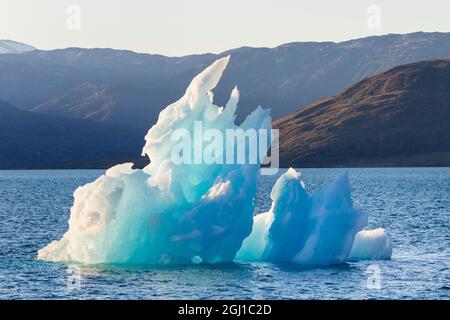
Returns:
point(413, 204)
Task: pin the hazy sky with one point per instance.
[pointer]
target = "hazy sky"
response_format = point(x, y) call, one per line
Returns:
point(179, 27)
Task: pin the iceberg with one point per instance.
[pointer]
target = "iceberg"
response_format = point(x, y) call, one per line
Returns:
point(189, 206)
point(373, 244)
point(169, 213)
point(321, 229)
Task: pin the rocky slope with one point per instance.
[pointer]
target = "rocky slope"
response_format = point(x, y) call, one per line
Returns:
point(397, 118)
point(29, 140)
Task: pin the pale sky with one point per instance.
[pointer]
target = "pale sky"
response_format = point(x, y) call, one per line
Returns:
point(180, 27)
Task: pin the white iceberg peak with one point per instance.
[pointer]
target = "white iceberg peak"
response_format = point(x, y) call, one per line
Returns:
point(168, 213)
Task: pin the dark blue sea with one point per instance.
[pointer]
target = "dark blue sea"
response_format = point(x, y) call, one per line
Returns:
point(413, 204)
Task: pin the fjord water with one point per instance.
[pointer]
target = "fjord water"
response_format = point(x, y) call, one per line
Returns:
point(413, 204)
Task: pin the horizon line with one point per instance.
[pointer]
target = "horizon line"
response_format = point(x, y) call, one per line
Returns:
point(232, 49)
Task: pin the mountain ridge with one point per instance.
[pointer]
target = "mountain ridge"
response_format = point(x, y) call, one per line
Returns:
point(30, 140)
point(281, 78)
point(14, 47)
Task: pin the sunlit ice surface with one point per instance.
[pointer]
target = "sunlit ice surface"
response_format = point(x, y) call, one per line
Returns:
point(194, 212)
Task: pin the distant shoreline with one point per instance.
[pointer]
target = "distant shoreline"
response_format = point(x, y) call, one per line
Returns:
point(281, 168)
point(427, 160)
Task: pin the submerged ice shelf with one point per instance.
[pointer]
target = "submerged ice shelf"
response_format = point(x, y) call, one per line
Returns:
point(171, 213)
